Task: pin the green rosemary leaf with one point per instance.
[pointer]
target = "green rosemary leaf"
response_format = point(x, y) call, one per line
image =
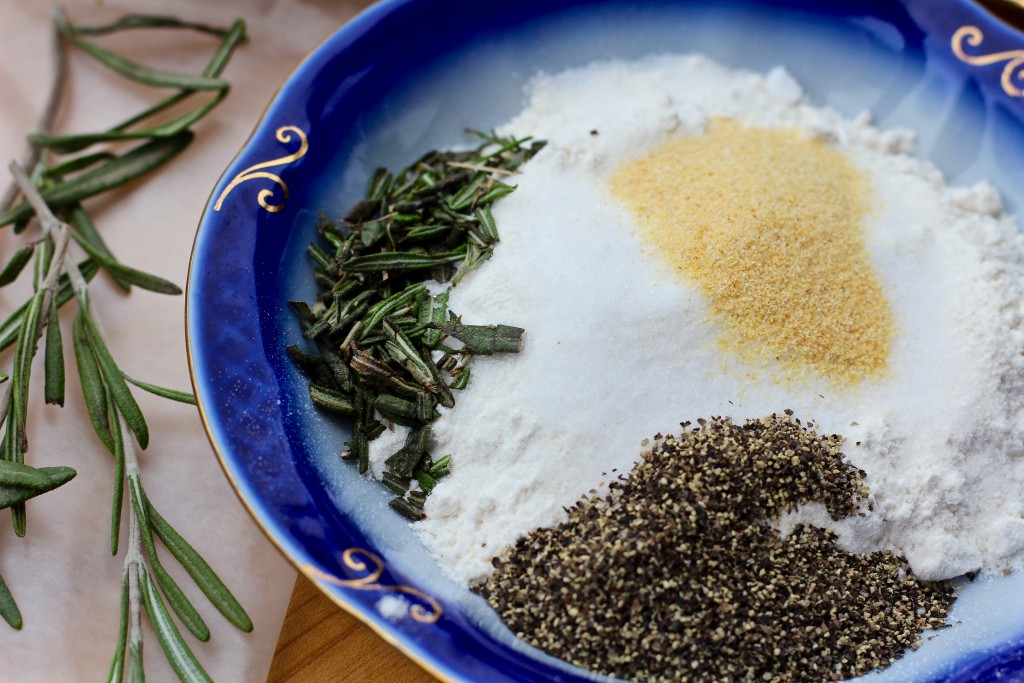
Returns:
point(84, 229)
point(372, 232)
point(66, 144)
point(19, 474)
point(117, 502)
point(417, 498)
point(380, 184)
point(143, 74)
point(467, 196)
point(24, 351)
point(314, 366)
point(178, 653)
point(424, 308)
point(461, 379)
point(207, 580)
point(79, 163)
point(440, 467)
point(303, 310)
point(336, 366)
point(234, 37)
point(132, 21)
point(116, 674)
point(475, 257)
point(70, 143)
point(17, 263)
point(427, 482)
point(361, 448)
point(503, 145)
point(319, 256)
point(425, 233)
point(41, 263)
point(432, 337)
point(163, 392)
point(393, 419)
point(488, 227)
point(93, 388)
point(8, 608)
point(405, 459)
point(485, 340)
point(398, 485)
point(344, 289)
point(328, 399)
point(12, 453)
point(172, 592)
point(402, 506)
point(54, 361)
point(117, 171)
point(7, 443)
point(369, 368)
point(344, 314)
point(114, 380)
point(497, 191)
point(128, 274)
point(392, 405)
point(11, 495)
point(398, 261)
point(374, 429)
point(424, 371)
point(426, 410)
point(377, 313)
point(320, 326)
point(10, 328)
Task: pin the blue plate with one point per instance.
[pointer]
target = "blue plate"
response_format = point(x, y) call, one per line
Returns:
point(409, 75)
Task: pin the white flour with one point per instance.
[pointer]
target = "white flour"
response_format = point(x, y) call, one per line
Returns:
point(618, 348)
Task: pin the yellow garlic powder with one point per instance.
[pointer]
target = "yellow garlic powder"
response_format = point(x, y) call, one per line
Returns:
point(767, 222)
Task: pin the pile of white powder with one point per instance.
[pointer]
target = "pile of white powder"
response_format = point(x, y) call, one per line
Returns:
point(619, 348)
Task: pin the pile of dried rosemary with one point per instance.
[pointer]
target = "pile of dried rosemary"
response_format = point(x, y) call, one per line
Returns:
point(388, 350)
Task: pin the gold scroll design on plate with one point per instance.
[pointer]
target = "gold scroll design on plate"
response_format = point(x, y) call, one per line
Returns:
point(360, 560)
point(284, 135)
point(1014, 68)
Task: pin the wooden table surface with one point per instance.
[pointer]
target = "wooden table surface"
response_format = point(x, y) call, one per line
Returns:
point(322, 642)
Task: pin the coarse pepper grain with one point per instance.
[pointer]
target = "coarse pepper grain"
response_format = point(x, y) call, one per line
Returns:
point(767, 222)
point(676, 574)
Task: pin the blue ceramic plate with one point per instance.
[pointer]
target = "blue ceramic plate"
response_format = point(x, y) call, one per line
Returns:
point(409, 75)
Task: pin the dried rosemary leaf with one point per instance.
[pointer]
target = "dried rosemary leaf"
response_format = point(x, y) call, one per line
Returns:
point(375, 323)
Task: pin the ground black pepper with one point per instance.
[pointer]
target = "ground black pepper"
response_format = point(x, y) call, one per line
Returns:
point(676, 574)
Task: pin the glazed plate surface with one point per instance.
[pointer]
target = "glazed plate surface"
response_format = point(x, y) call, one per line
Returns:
point(407, 76)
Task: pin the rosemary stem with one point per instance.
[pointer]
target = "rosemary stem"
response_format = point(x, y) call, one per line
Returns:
point(133, 558)
point(132, 561)
point(131, 461)
point(49, 115)
point(79, 285)
point(51, 226)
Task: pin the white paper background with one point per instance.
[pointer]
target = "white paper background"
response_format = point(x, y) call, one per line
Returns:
point(62, 574)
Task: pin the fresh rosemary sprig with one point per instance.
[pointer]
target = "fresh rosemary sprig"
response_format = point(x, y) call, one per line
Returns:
point(379, 333)
point(52, 189)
